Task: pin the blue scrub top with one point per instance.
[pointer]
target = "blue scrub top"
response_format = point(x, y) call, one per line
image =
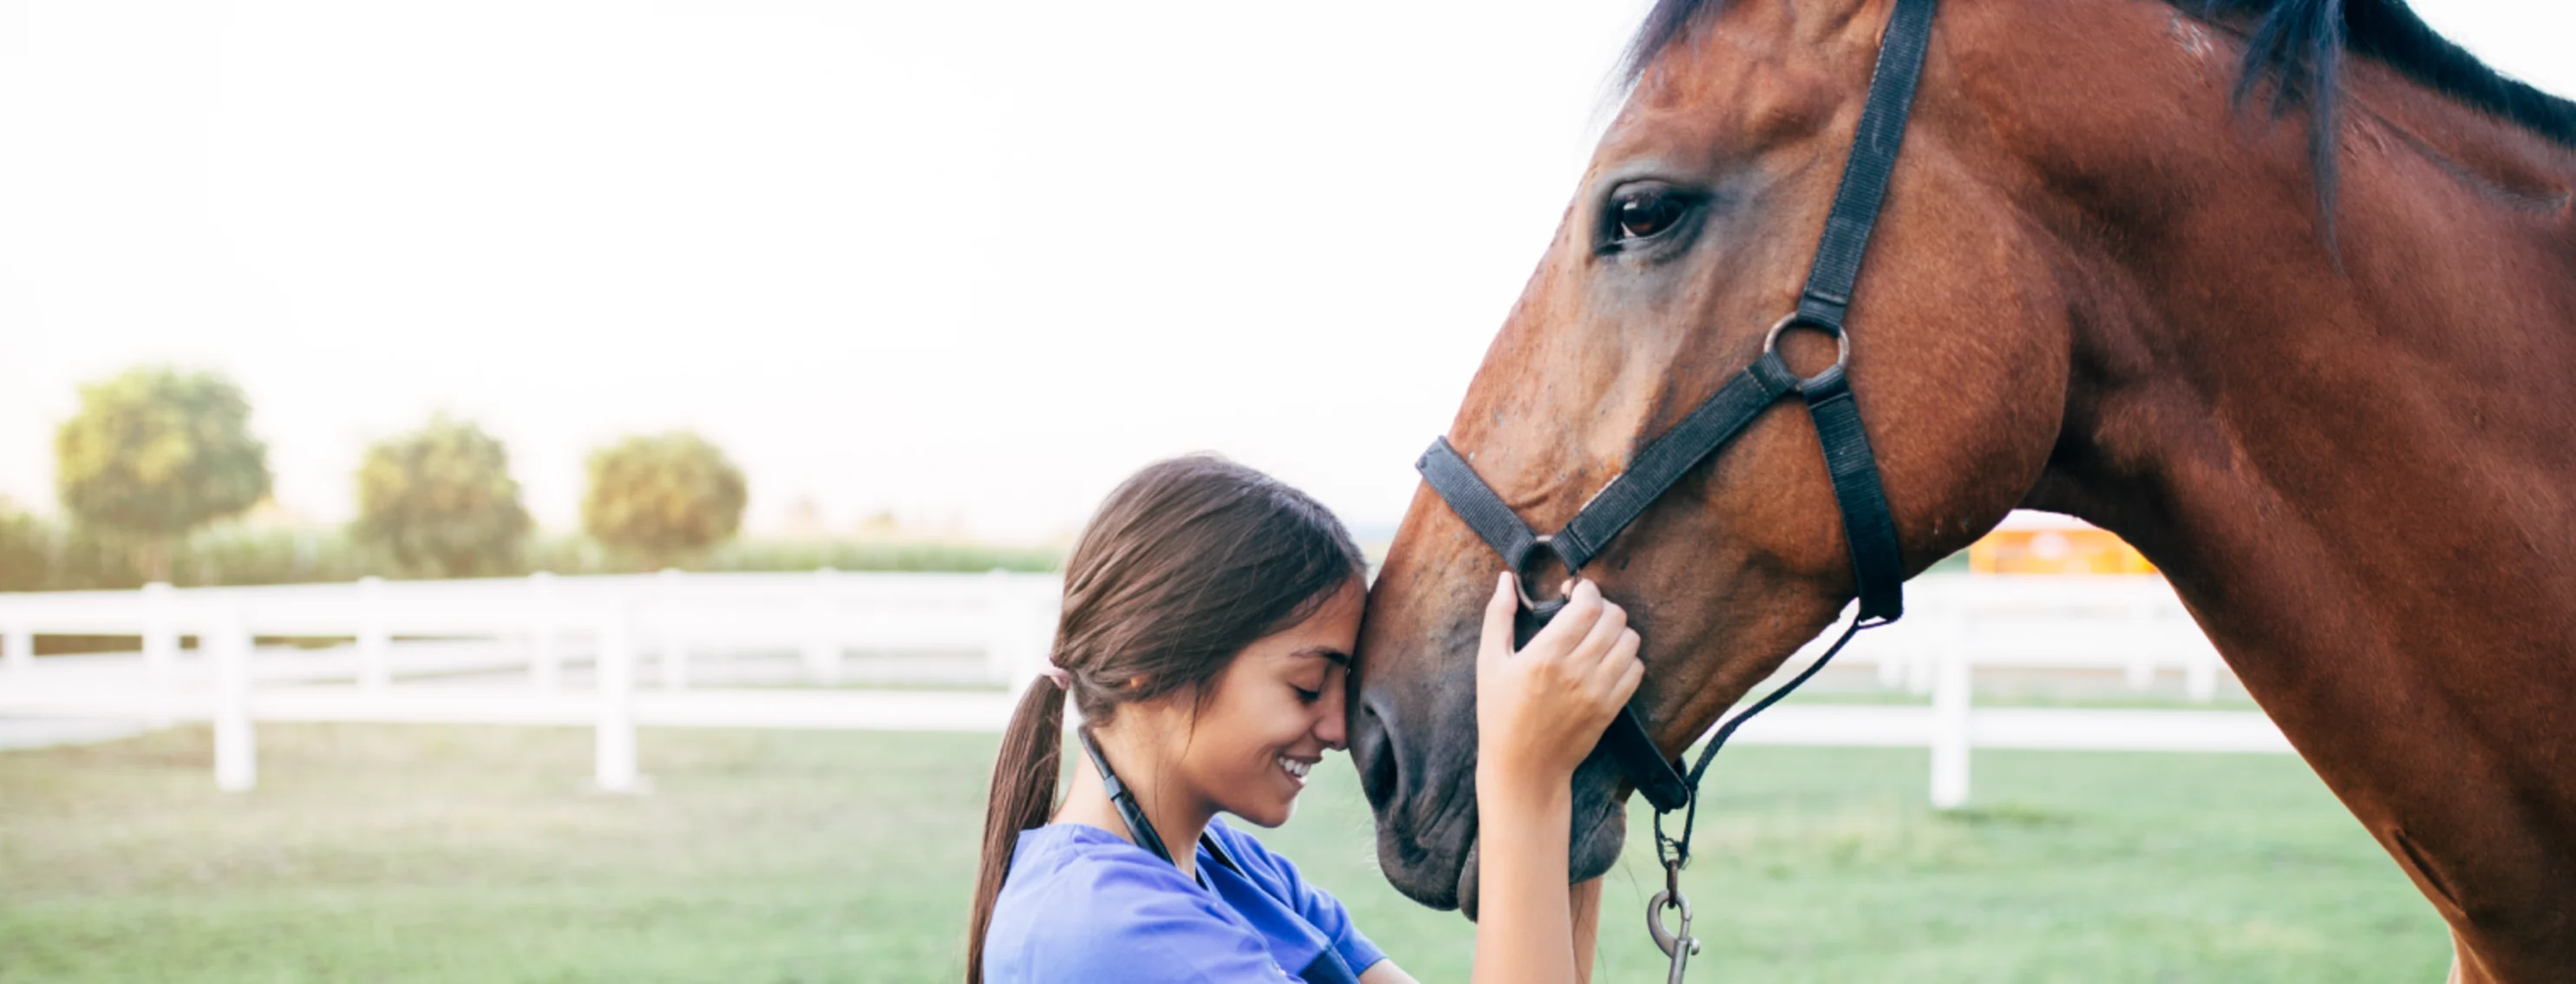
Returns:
point(1083, 904)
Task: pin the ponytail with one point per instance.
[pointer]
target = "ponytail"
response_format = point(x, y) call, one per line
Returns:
point(1024, 781)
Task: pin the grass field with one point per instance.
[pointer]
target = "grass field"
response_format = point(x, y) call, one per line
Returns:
point(379, 853)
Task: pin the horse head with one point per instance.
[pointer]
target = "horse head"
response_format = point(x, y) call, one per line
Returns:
point(1687, 239)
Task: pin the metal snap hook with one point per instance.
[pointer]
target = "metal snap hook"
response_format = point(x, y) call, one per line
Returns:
point(1681, 945)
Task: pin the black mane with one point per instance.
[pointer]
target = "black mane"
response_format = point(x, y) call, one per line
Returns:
point(2299, 44)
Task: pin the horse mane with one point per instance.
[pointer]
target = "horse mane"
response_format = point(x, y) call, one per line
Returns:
point(2299, 44)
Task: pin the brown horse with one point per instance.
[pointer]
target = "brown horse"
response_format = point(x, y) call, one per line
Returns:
point(2300, 326)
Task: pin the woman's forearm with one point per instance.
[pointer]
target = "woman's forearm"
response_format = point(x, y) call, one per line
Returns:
point(1539, 709)
point(1525, 912)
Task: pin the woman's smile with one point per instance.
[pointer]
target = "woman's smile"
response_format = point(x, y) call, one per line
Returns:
point(1296, 768)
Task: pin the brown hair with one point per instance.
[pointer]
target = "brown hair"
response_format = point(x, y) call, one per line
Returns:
point(1186, 563)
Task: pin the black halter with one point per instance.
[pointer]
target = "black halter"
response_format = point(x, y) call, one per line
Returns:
point(1867, 525)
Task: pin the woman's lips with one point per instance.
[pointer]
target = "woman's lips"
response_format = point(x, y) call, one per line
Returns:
point(1296, 768)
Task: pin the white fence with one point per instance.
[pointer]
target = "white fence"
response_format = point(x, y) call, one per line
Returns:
point(975, 637)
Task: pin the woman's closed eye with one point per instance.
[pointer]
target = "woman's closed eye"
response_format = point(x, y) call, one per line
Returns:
point(1312, 690)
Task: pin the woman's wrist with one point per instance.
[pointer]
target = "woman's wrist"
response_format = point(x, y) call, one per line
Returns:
point(1504, 785)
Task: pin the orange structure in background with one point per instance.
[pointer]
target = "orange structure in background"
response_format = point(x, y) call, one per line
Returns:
point(2047, 543)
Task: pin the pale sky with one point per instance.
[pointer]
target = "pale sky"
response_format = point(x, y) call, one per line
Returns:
point(970, 262)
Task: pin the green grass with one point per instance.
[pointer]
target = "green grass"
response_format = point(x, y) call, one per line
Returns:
point(378, 853)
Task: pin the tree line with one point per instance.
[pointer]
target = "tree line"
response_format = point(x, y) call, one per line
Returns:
point(155, 456)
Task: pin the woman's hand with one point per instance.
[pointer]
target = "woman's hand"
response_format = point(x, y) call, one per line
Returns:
point(1539, 711)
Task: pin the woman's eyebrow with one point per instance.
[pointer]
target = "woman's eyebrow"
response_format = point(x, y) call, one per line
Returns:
point(1338, 657)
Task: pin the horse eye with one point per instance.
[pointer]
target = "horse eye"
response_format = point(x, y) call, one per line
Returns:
point(1645, 212)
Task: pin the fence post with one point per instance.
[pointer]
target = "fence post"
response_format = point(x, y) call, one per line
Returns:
point(545, 662)
point(20, 648)
point(614, 765)
point(1950, 729)
point(675, 654)
point(375, 644)
point(228, 646)
point(822, 648)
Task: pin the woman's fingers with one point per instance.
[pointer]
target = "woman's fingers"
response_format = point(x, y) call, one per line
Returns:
point(1603, 635)
point(1583, 644)
point(1562, 633)
point(1624, 662)
point(1541, 710)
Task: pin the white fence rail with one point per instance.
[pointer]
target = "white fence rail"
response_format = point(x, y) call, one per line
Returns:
point(447, 640)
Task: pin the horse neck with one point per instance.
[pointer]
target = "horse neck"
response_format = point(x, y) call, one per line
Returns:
point(2357, 466)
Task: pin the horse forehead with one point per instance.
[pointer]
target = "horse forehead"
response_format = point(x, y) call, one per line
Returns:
point(1705, 105)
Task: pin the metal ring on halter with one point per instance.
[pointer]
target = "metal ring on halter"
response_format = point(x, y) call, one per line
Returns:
point(1842, 339)
point(1520, 578)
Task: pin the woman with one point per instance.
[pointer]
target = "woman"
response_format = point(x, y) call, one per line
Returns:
point(1209, 617)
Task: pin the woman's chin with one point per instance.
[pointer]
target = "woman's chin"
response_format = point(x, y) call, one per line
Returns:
point(1269, 816)
point(1271, 812)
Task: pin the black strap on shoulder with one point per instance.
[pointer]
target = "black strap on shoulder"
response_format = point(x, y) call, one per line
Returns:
point(1137, 826)
point(1207, 842)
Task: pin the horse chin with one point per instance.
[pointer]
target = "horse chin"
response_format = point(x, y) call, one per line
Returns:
point(1597, 837)
point(1430, 877)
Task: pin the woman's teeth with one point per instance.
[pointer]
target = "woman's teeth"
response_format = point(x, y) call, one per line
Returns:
point(1295, 769)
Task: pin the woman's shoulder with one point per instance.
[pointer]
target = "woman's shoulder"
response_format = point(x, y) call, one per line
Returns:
point(1254, 860)
point(1082, 903)
point(1088, 863)
point(1071, 857)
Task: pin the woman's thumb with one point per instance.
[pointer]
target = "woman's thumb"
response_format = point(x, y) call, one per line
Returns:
point(1498, 619)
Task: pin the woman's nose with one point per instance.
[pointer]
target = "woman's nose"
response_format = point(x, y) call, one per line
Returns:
point(1331, 728)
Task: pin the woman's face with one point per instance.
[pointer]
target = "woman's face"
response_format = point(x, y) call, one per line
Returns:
point(1274, 711)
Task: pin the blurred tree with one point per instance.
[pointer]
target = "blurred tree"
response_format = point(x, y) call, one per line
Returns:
point(440, 501)
point(154, 453)
point(662, 496)
point(23, 564)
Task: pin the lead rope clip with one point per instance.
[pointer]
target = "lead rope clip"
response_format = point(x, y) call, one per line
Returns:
point(1680, 946)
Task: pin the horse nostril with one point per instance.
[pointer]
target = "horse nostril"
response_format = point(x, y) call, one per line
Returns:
point(1373, 749)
